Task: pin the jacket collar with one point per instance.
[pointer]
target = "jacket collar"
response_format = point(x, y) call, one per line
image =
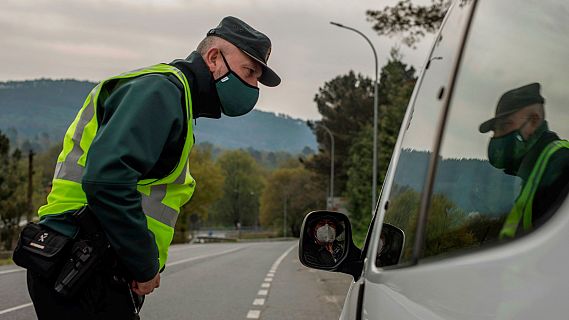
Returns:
point(530, 159)
point(205, 101)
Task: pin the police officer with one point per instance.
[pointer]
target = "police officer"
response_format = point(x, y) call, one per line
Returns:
point(126, 156)
point(523, 145)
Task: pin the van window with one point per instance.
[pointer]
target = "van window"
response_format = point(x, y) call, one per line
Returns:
point(411, 170)
point(508, 106)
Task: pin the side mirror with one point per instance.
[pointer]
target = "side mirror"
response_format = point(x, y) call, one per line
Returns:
point(324, 239)
point(326, 243)
point(391, 243)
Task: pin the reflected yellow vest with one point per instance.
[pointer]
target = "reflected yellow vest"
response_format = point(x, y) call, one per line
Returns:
point(522, 211)
point(161, 198)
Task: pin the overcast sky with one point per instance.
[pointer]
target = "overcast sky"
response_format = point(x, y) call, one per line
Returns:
point(95, 39)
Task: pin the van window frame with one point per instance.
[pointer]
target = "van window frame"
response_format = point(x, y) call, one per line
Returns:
point(426, 197)
point(420, 232)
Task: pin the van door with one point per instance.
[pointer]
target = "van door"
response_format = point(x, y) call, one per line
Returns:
point(457, 262)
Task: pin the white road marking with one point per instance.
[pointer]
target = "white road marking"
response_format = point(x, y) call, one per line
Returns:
point(201, 257)
point(169, 264)
point(275, 265)
point(12, 271)
point(253, 314)
point(256, 314)
point(16, 308)
point(185, 247)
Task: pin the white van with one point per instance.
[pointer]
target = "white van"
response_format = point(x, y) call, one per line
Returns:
point(436, 247)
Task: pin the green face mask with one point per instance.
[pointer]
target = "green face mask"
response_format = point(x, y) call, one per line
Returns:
point(237, 97)
point(507, 152)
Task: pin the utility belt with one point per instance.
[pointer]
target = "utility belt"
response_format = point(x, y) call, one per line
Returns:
point(70, 261)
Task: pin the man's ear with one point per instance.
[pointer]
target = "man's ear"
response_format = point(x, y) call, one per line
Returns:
point(535, 119)
point(211, 59)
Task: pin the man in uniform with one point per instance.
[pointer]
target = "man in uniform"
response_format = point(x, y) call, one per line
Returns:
point(126, 157)
point(523, 145)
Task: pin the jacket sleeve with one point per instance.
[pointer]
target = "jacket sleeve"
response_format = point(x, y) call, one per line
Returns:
point(138, 120)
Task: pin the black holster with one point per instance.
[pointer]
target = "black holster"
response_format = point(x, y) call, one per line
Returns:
point(51, 254)
point(89, 250)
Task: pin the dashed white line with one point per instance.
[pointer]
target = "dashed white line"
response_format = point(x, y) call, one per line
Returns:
point(256, 314)
point(16, 308)
point(253, 314)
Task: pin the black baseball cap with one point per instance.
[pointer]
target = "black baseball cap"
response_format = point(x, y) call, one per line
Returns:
point(252, 42)
point(512, 101)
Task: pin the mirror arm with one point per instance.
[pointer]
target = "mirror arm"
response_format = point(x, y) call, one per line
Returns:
point(354, 263)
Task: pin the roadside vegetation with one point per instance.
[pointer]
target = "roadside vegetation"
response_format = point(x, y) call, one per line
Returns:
point(265, 190)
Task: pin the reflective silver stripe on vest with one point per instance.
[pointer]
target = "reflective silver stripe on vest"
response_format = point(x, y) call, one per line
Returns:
point(153, 207)
point(182, 176)
point(70, 169)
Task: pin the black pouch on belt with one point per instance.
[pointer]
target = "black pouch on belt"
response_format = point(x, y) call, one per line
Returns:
point(41, 250)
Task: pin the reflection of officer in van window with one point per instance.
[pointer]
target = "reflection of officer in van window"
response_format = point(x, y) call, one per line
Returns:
point(522, 145)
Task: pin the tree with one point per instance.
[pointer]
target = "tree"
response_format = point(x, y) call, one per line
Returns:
point(293, 190)
point(397, 82)
point(346, 105)
point(446, 227)
point(410, 20)
point(44, 165)
point(209, 183)
point(358, 189)
point(396, 85)
point(13, 202)
point(239, 204)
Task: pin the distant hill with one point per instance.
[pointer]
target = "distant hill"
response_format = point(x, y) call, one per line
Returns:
point(489, 190)
point(39, 112)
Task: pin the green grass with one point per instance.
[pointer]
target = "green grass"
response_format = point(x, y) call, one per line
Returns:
point(4, 262)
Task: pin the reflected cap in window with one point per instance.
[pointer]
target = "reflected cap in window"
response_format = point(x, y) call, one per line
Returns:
point(512, 101)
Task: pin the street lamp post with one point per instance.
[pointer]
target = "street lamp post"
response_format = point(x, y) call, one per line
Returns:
point(375, 115)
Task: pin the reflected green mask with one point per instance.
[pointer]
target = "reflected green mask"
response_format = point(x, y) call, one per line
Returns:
point(507, 152)
point(236, 96)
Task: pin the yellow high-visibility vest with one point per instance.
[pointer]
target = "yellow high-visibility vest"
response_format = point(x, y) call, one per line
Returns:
point(161, 198)
point(521, 212)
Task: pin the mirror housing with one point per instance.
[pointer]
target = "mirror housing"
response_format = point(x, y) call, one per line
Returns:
point(391, 244)
point(326, 243)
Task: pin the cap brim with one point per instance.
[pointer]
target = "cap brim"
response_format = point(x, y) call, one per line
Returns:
point(487, 125)
point(268, 77)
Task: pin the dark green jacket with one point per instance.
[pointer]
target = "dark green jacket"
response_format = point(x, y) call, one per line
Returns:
point(554, 183)
point(141, 126)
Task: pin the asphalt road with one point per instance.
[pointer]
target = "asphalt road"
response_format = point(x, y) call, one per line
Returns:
point(257, 280)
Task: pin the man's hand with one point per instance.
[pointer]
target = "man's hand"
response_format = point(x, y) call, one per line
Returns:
point(144, 288)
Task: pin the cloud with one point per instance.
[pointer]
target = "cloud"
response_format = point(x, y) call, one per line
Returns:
point(95, 39)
